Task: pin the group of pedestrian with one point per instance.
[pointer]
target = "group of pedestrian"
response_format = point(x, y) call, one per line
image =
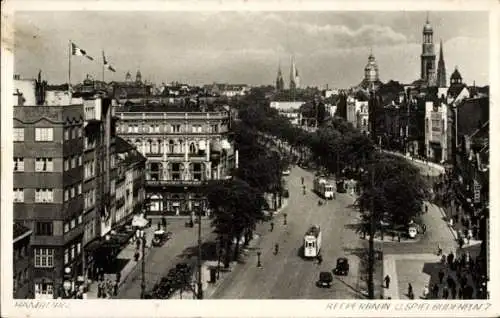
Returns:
point(456, 285)
point(107, 288)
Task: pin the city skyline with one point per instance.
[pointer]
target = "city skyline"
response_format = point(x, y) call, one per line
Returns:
point(201, 48)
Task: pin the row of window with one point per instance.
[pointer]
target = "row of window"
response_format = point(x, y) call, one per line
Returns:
point(176, 128)
point(44, 257)
point(71, 162)
point(41, 195)
point(156, 146)
point(89, 143)
point(41, 134)
point(72, 133)
point(89, 199)
point(72, 191)
point(72, 252)
point(68, 226)
point(41, 164)
point(89, 170)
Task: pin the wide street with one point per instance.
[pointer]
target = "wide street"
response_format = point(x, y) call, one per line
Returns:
point(161, 259)
point(287, 275)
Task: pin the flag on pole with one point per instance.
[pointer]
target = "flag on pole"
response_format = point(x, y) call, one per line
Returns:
point(75, 50)
point(106, 63)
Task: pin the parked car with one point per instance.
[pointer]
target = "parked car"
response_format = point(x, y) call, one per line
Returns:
point(325, 279)
point(342, 267)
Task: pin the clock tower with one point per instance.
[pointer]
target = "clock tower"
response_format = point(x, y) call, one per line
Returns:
point(428, 57)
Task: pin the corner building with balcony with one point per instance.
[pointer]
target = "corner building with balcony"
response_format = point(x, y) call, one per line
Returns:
point(66, 169)
point(185, 146)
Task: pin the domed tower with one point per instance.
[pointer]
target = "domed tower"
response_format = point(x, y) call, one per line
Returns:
point(371, 70)
point(138, 77)
point(455, 78)
point(128, 77)
point(428, 57)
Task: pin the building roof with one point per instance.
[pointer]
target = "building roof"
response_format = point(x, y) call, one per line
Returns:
point(455, 90)
point(122, 146)
point(20, 231)
point(166, 108)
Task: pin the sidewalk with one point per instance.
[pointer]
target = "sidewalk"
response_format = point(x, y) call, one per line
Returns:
point(434, 165)
point(127, 255)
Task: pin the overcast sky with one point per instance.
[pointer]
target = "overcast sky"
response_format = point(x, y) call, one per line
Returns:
point(246, 47)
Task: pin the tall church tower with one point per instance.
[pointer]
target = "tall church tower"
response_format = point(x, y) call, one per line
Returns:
point(280, 83)
point(428, 57)
point(294, 76)
point(441, 71)
point(371, 70)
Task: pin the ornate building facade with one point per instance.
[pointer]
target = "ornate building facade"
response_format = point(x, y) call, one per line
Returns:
point(184, 149)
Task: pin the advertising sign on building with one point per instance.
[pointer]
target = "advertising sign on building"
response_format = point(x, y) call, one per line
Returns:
point(477, 192)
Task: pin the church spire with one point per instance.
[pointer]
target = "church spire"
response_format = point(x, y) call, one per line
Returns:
point(280, 84)
point(441, 70)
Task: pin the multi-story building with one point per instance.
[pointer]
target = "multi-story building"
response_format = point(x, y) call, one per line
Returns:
point(290, 110)
point(23, 263)
point(184, 148)
point(64, 179)
point(437, 136)
point(357, 113)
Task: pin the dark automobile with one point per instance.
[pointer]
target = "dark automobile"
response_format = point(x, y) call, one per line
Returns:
point(342, 267)
point(325, 279)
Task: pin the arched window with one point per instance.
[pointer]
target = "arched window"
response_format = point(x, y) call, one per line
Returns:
point(154, 146)
point(192, 148)
point(171, 146)
point(160, 146)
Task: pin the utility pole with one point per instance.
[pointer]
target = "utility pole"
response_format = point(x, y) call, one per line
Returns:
point(143, 264)
point(200, 283)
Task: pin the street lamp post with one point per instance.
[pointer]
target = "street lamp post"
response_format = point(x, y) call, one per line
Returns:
point(140, 234)
point(200, 283)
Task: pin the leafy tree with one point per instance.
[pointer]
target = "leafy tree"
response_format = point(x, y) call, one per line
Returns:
point(237, 208)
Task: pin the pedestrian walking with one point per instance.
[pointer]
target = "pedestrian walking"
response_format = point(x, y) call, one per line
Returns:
point(435, 291)
point(425, 292)
point(450, 258)
point(453, 292)
point(439, 250)
point(441, 276)
point(445, 292)
point(115, 288)
point(164, 222)
point(410, 291)
point(449, 281)
point(136, 255)
point(320, 259)
point(424, 228)
point(387, 281)
point(272, 226)
point(301, 180)
point(99, 289)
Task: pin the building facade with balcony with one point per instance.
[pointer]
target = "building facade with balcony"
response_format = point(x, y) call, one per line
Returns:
point(184, 148)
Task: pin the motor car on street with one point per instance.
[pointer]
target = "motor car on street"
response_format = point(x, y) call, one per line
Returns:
point(342, 267)
point(325, 279)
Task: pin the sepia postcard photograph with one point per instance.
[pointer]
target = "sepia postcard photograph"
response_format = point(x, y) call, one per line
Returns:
point(253, 153)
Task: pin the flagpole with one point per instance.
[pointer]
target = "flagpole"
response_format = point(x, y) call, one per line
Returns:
point(69, 68)
point(103, 66)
